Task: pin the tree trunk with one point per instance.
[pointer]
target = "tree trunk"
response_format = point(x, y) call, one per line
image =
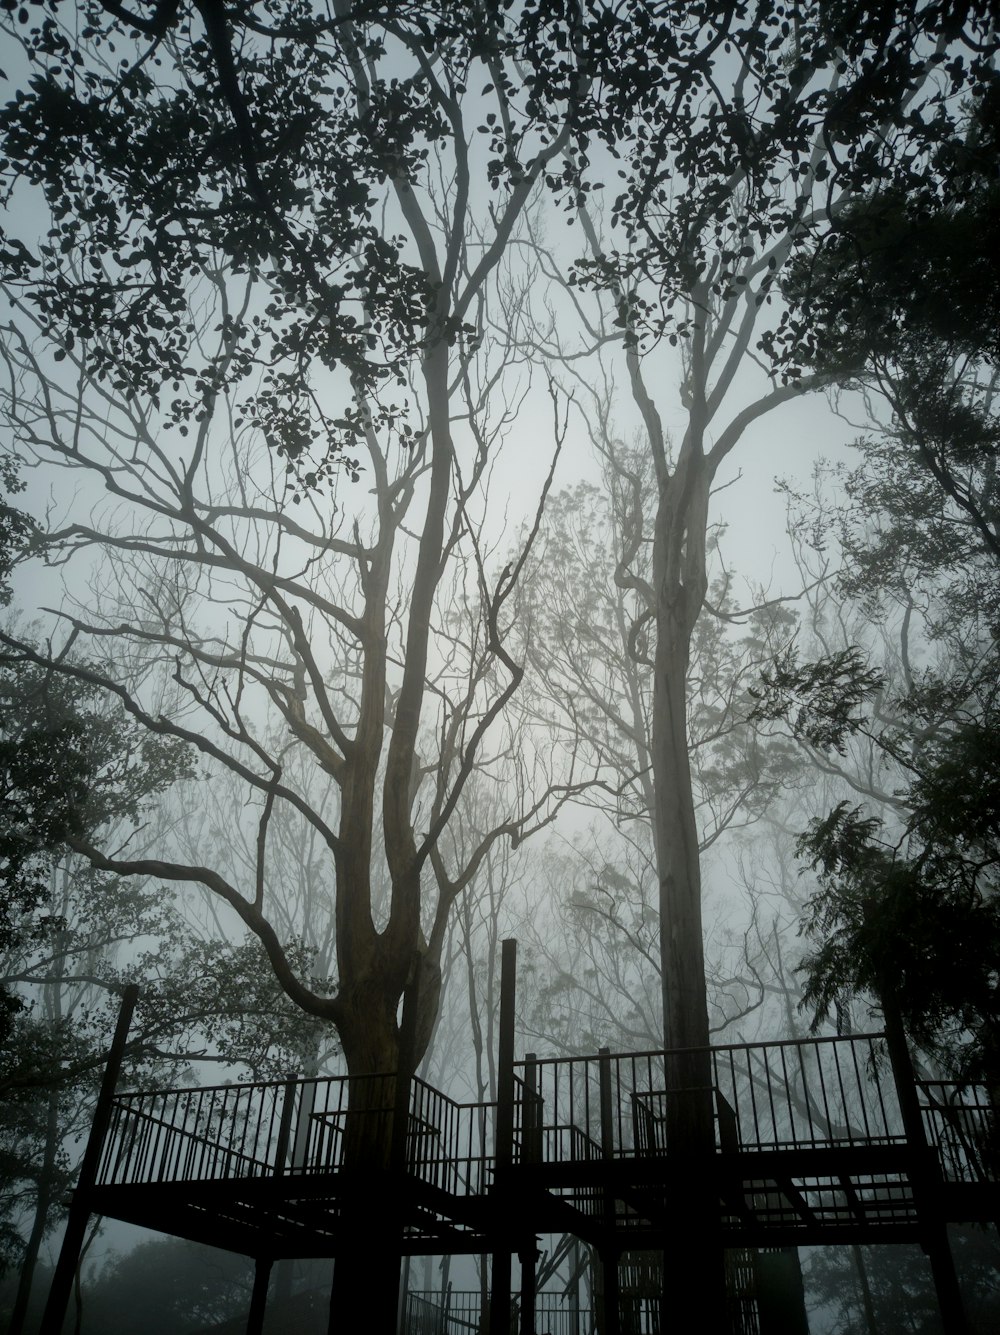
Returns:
point(40, 1221)
point(379, 1053)
point(685, 1009)
point(694, 1262)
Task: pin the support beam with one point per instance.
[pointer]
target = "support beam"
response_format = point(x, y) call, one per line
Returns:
point(608, 1293)
point(258, 1299)
point(500, 1305)
point(528, 1257)
point(949, 1295)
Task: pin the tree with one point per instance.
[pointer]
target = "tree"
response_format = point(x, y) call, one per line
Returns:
point(906, 909)
point(741, 134)
point(407, 682)
point(243, 301)
point(589, 647)
point(74, 768)
point(732, 167)
point(732, 170)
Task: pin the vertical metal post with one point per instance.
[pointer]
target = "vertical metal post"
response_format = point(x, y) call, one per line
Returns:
point(500, 1306)
point(607, 1104)
point(926, 1170)
point(532, 1127)
point(79, 1210)
point(608, 1262)
point(505, 1058)
point(608, 1298)
point(528, 1257)
point(258, 1299)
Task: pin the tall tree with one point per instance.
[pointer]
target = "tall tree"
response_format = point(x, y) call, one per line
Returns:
point(733, 168)
point(259, 207)
point(274, 234)
point(589, 644)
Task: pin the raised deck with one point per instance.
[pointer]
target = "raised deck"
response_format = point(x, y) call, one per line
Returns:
point(809, 1147)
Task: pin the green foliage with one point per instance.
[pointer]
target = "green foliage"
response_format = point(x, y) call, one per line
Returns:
point(922, 929)
point(819, 700)
point(15, 526)
point(176, 1285)
point(69, 765)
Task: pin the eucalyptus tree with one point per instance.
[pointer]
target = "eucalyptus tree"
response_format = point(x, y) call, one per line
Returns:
point(273, 238)
point(589, 646)
point(732, 168)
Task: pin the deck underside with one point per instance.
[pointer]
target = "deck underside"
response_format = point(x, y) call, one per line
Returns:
point(776, 1198)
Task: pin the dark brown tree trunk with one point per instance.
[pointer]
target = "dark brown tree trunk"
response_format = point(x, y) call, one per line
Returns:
point(41, 1217)
point(694, 1265)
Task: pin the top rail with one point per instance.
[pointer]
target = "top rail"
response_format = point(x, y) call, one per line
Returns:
point(295, 1127)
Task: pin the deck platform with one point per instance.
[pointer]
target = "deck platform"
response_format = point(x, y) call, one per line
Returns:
point(809, 1147)
point(718, 1151)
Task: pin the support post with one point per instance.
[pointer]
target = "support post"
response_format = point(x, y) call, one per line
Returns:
point(79, 1210)
point(258, 1298)
point(608, 1295)
point(926, 1170)
point(500, 1305)
point(528, 1258)
point(609, 1312)
point(532, 1119)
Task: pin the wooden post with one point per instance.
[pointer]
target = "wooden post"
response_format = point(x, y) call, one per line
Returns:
point(500, 1306)
point(79, 1210)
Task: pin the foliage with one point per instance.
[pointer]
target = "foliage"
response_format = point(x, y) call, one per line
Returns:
point(15, 525)
point(897, 1282)
point(205, 1006)
point(176, 1285)
point(907, 293)
point(68, 765)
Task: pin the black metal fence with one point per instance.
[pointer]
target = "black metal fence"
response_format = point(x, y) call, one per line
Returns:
point(459, 1312)
point(799, 1093)
point(296, 1127)
point(760, 1096)
point(960, 1122)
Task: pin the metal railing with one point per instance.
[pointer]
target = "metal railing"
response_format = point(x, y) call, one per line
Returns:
point(296, 1127)
point(961, 1123)
point(759, 1096)
point(459, 1312)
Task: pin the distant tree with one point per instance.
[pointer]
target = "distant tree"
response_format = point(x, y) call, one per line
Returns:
point(589, 645)
point(173, 1286)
